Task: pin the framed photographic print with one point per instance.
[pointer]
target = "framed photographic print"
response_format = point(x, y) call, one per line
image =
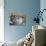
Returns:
point(17, 19)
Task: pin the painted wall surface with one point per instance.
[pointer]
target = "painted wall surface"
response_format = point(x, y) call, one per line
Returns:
point(43, 6)
point(28, 7)
point(1, 21)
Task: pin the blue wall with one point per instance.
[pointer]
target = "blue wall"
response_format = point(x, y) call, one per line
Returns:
point(29, 7)
point(43, 6)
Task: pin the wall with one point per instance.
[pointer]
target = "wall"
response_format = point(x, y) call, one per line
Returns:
point(1, 21)
point(43, 6)
point(28, 7)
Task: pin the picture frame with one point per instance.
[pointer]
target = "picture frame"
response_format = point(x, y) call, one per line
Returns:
point(17, 19)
